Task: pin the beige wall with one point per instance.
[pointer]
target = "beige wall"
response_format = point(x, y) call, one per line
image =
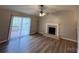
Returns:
point(34, 25)
point(66, 21)
point(5, 21)
point(77, 11)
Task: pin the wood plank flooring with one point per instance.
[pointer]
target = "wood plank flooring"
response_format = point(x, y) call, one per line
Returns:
point(38, 44)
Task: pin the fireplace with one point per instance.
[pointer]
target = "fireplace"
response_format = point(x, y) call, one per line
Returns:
point(52, 30)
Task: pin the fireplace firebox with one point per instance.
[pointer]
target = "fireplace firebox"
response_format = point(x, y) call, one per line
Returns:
point(52, 30)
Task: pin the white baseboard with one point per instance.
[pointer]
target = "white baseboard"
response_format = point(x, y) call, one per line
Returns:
point(62, 38)
point(41, 33)
point(47, 35)
point(68, 39)
point(33, 33)
point(3, 41)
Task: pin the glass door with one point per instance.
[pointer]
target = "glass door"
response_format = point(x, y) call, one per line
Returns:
point(19, 26)
point(25, 26)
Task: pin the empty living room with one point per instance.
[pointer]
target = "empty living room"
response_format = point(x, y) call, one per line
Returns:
point(39, 28)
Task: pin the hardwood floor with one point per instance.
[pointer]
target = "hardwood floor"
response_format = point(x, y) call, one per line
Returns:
point(38, 44)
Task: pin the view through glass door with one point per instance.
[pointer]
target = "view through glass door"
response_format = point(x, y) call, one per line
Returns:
point(19, 26)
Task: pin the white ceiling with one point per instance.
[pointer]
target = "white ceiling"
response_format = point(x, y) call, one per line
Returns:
point(35, 9)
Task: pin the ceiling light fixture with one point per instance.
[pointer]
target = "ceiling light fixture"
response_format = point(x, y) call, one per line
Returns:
point(42, 13)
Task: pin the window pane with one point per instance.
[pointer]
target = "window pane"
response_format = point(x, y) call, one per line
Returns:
point(26, 26)
point(16, 26)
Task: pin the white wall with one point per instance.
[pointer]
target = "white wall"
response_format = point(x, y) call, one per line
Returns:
point(66, 21)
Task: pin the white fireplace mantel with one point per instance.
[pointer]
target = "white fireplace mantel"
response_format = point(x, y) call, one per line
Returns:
point(57, 30)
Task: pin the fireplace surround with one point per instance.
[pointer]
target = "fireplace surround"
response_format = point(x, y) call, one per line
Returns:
point(52, 30)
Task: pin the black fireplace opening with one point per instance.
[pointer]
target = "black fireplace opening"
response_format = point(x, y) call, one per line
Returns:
point(52, 30)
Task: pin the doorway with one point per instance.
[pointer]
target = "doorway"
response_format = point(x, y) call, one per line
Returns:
point(20, 26)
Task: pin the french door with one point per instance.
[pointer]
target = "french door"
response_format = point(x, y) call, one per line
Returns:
point(19, 26)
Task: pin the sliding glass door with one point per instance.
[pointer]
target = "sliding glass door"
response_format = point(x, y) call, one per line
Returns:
point(25, 26)
point(20, 26)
